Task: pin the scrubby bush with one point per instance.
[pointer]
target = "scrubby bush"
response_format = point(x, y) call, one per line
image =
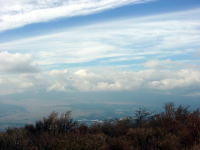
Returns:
point(176, 128)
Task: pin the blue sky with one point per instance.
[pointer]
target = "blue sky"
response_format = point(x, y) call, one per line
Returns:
point(105, 46)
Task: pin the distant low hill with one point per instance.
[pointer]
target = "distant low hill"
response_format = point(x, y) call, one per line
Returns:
point(9, 108)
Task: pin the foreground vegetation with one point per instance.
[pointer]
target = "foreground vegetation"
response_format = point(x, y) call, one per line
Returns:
point(176, 128)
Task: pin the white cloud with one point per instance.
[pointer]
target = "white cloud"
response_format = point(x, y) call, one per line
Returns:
point(16, 63)
point(14, 84)
point(105, 79)
point(160, 37)
point(84, 74)
point(181, 79)
point(17, 13)
point(102, 80)
point(164, 64)
point(162, 47)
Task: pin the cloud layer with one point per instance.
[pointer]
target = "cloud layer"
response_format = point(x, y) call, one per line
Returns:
point(103, 80)
point(129, 42)
point(16, 63)
point(159, 53)
point(17, 13)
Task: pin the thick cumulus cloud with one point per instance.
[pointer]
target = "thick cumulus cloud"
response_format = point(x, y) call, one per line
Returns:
point(16, 13)
point(104, 79)
point(113, 80)
point(14, 84)
point(16, 63)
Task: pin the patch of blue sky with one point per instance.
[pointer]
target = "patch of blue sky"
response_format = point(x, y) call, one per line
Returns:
point(184, 57)
point(102, 62)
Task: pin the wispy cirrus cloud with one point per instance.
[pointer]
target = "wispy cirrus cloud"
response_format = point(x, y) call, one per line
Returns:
point(17, 13)
point(167, 36)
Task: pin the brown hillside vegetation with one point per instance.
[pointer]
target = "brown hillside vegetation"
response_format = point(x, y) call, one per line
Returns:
point(176, 128)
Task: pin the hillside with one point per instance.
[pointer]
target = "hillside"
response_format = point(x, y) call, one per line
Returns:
point(176, 128)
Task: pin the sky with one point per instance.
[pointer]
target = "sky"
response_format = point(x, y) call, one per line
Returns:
point(63, 51)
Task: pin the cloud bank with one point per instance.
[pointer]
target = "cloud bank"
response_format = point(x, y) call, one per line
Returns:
point(156, 53)
point(17, 13)
point(16, 63)
point(89, 80)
